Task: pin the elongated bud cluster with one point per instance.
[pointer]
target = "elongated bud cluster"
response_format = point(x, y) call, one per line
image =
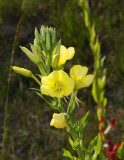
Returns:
point(22, 71)
point(48, 38)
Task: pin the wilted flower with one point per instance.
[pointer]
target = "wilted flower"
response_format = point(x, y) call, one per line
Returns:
point(58, 120)
point(57, 84)
point(78, 74)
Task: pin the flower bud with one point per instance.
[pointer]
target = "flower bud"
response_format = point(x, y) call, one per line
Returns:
point(28, 53)
point(43, 33)
point(53, 36)
point(37, 36)
point(55, 61)
point(37, 56)
point(48, 43)
point(22, 71)
point(58, 120)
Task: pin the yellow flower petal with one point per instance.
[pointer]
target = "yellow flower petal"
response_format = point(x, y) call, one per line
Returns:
point(70, 53)
point(77, 72)
point(44, 80)
point(63, 55)
point(58, 120)
point(69, 85)
point(45, 90)
point(85, 82)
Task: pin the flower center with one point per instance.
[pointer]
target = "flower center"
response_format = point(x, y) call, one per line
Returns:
point(58, 86)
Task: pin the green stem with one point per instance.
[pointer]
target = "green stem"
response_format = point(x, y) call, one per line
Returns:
point(41, 69)
point(8, 86)
point(80, 153)
point(79, 148)
point(59, 106)
point(32, 76)
point(5, 118)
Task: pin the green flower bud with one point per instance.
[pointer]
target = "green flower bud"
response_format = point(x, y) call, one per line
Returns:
point(28, 53)
point(55, 61)
point(37, 56)
point(53, 36)
point(43, 33)
point(37, 36)
point(48, 43)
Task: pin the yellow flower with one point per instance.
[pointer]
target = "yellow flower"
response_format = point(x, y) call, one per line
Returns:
point(22, 71)
point(58, 120)
point(57, 84)
point(78, 74)
point(65, 54)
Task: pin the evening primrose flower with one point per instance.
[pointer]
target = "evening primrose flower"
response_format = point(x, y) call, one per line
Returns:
point(57, 84)
point(78, 74)
point(65, 54)
point(58, 120)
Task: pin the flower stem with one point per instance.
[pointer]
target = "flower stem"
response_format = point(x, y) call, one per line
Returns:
point(79, 148)
point(32, 76)
point(40, 66)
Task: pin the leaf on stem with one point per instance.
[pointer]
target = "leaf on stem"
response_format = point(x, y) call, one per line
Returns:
point(85, 119)
point(98, 147)
point(69, 155)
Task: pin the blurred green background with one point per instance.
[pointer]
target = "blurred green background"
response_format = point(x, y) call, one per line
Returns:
point(29, 136)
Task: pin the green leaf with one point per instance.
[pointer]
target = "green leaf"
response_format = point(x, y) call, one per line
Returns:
point(102, 156)
point(35, 89)
point(102, 93)
point(120, 151)
point(85, 119)
point(76, 143)
point(95, 92)
point(69, 155)
point(102, 60)
point(104, 102)
point(98, 147)
point(93, 34)
point(91, 147)
point(71, 141)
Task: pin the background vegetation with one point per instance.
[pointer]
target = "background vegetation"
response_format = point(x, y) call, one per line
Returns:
point(29, 135)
